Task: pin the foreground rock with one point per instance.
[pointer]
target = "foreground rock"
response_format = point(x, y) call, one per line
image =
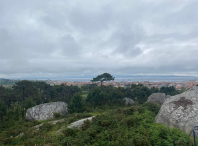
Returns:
point(46, 111)
point(79, 123)
point(128, 101)
point(157, 98)
point(180, 111)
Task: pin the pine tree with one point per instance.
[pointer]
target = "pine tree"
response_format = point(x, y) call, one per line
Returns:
point(76, 104)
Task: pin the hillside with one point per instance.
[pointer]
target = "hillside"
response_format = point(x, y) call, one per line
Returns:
point(113, 124)
point(7, 82)
point(133, 125)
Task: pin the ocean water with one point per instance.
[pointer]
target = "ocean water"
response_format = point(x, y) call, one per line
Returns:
point(142, 78)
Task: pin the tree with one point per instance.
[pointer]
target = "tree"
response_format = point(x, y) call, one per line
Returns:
point(115, 96)
point(3, 108)
point(97, 97)
point(2, 91)
point(43, 91)
point(103, 77)
point(23, 90)
point(169, 90)
point(76, 104)
point(28, 103)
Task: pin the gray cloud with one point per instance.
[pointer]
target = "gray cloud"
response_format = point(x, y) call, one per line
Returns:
point(69, 46)
point(90, 22)
point(64, 38)
point(126, 39)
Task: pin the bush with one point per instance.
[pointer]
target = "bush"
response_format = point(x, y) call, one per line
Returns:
point(72, 119)
point(46, 127)
point(105, 123)
point(8, 141)
point(70, 132)
point(129, 111)
point(85, 125)
point(153, 107)
point(83, 115)
point(141, 110)
point(132, 121)
point(56, 115)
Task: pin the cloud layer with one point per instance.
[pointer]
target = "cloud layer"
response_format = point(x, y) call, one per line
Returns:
point(80, 38)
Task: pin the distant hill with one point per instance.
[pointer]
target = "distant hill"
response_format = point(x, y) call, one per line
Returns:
point(7, 82)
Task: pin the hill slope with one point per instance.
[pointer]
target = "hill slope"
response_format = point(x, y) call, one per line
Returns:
point(134, 126)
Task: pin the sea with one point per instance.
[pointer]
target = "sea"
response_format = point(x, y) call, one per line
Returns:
point(141, 78)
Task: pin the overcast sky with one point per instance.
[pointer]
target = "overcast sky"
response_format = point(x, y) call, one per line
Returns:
point(53, 38)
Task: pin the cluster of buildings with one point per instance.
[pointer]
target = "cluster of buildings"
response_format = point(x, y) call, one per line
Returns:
point(177, 85)
point(149, 84)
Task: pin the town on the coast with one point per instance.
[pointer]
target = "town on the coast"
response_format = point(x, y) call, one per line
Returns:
point(157, 84)
point(149, 84)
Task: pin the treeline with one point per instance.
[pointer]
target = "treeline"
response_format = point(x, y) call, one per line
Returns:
point(25, 94)
point(109, 96)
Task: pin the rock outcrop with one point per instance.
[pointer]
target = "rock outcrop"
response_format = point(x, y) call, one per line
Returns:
point(180, 111)
point(79, 123)
point(157, 98)
point(46, 111)
point(128, 101)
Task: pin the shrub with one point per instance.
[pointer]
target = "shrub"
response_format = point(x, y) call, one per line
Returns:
point(56, 115)
point(46, 127)
point(70, 132)
point(83, 115)
point(8, 141)
point(153, 107)
point(129, 111)
point(85, 125)
point(181, 142)
point(72, 119)
point(141, 110)
point(105, 123)
point(131, 121)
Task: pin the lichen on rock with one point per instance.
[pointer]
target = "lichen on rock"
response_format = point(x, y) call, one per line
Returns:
point(183, 102)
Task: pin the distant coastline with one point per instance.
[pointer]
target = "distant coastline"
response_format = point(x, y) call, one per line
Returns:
point(142, 78)
point(134, 78)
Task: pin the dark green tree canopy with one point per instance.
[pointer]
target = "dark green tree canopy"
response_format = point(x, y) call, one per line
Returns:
point(76, 104)
point(103, 77)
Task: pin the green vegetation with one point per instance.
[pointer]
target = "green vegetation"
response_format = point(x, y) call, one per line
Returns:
point(169, 90)
point(124, 126)
point(134, 126)
point(114, 124)
point(103, 77)
point(10, 135)
point(25, 94)
point(7, 82)
point(76, 104)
